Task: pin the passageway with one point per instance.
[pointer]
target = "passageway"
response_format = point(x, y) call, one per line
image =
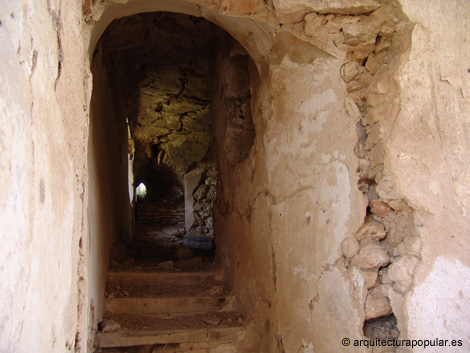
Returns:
point(156, 70)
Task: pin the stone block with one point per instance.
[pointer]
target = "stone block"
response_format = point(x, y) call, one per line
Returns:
point(166, 265)
point(171, 231)
point(377, 154)
point(190, 264)
point(109, 326)
point(374, 134)
point(359, 33)
point(184, 252)
point(401, 272)
point(350, 247)
point(377, 304)
point(371, 257)
point(371, 231)
point(350, 70)
point(371, 278)
point(379, 208)
point(373, 64)
point(340, 7)
point(313, 24)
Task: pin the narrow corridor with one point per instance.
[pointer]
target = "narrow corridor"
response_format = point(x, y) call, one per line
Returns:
point(156, 114)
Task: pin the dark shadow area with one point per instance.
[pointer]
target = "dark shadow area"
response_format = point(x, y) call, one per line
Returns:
point(382, 328)
point(162, 69)
point(167, 74)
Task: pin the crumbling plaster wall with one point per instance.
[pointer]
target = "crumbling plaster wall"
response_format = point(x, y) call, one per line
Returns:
point(280, 231)
point(266, 246)
point(44, 95)
point(272, 230)
point(281, 228)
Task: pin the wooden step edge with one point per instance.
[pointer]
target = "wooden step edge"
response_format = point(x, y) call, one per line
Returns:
point(139, 338)
point(162, 278)
point(162, 305)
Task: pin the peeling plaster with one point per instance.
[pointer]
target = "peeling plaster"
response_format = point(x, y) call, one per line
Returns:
point(318, 102)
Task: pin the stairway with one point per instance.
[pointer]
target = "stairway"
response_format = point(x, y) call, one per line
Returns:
point(163, 311)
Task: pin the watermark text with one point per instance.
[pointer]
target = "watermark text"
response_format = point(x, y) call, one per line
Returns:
point(377, 342)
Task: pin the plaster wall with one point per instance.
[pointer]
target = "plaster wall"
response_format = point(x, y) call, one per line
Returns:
point(427, 161)
point(280, 237)
point(43, 112)
point(279, 233)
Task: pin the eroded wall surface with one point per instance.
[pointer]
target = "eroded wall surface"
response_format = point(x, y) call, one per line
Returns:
point(293, 237)
point(44, 98)
point(280, 231)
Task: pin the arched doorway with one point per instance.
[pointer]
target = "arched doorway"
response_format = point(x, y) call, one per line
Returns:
point(157, 77)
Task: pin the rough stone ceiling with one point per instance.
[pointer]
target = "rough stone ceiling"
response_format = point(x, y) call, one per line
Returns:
point(166, 88)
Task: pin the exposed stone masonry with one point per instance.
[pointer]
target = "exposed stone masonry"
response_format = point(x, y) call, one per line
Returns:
point(204, 197)
point(369, 36)
point(369, 39)
point(385, 251)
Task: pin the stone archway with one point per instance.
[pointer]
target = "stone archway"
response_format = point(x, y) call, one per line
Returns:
point(254, 36)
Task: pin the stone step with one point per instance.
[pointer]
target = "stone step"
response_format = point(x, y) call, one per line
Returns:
point(164, 307)
point(169, 312)
point(214, 335)
point(162, 278)
point(210, 287)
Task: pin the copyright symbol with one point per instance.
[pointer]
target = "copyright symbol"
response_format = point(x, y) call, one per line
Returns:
point(346, 342)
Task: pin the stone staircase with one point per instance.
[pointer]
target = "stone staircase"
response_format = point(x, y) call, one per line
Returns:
point(164, 311)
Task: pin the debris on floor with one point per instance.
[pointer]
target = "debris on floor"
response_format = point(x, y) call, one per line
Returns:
point(164, 297)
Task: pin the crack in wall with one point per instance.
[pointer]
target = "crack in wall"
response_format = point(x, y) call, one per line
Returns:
point(56, 20)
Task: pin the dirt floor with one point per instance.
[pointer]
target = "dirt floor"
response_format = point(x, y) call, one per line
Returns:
point(155, 248)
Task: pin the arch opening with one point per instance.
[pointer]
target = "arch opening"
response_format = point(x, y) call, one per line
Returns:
point(158, 72)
